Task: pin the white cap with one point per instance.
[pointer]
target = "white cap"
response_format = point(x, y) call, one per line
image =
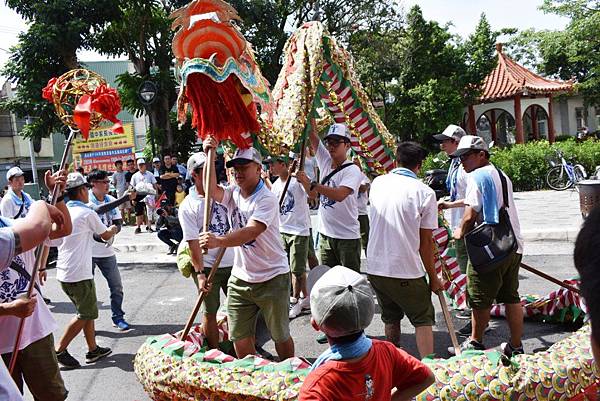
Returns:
point(451, 132)
point(141, 161)
point(341, 302)
point(14, 172)
point(340, 130)
point(195, 161)
point(242, 156)
point(75, 180)
point(156, 159)
point(468, 143)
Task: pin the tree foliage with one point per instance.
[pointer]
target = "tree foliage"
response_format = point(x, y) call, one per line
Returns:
point(571, 53)
point(48, 49)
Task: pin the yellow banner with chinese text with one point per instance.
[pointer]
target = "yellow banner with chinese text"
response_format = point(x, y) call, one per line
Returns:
point(104, 139)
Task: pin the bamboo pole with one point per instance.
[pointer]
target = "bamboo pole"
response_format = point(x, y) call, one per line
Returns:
point(550, 278)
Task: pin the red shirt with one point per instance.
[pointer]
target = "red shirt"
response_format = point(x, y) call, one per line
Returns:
point(384, 368)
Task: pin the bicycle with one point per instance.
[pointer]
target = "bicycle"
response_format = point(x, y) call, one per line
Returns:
point(565, 174)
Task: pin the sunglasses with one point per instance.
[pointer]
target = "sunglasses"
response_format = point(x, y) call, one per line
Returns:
point(334, 143)
point(468, 154)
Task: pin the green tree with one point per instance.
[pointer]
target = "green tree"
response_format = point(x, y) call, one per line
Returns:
point(48, 49)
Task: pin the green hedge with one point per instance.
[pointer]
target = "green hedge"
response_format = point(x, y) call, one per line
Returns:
point(527, 164)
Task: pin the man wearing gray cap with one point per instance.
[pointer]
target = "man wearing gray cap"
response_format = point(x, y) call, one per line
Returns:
point(260, 277)
point(75, 274)
point(191, 218)
point(355, 366)
point(483, 200)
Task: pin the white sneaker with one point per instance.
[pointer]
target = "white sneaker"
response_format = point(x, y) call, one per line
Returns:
point(305, 303)
point(296, 310)
point(293, 301)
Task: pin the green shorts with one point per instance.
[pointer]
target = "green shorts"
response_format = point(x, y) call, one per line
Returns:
point(363, 220)
point(462, 258)
point(212, 300)
point(83, 295)
point(501, 285)
point(245, 300)
point(37, 364)
point(311, 245)
point(345, 252)
point(296, 246)
point(400, 296)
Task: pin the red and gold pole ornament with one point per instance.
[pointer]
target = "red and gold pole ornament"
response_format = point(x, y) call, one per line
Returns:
point(82, 100)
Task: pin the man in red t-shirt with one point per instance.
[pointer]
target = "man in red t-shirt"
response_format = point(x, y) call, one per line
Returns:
point(356, 367)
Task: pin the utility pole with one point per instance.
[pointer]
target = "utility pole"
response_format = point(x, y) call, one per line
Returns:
point(29, 121)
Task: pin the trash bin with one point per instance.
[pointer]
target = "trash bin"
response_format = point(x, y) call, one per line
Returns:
point(589, 195)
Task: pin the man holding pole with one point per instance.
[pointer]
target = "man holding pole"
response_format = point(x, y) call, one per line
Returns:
point(260, 278)
point(483, 200)
point(191, 218)
point(74, 271)
point(294, 225)
point(400, 255)
point(338, 211)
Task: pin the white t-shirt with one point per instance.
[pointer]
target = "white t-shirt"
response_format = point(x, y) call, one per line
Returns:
point(363, 197)
point(264, 257)
point(118, 180)
point(148, 178)
point(37, 326)
point(400, 207)
point(74, 262)
point(100, 250)
point(339, 219)
point(474, 199)
point(310, 167)
point(294, 215)
point(7, 246)
point(9, 209)
point(457, 213)
point(191, 218)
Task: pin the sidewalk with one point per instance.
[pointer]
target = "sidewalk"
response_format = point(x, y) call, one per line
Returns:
point(545, 216)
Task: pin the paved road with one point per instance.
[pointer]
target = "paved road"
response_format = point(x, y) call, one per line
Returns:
point(158, 299)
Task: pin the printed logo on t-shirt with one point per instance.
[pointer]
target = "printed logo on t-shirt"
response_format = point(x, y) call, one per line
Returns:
point(238, 220)
point(288, 205)
point(325, 201)
point(219, 223)
point(11, 289)
point(369, 387)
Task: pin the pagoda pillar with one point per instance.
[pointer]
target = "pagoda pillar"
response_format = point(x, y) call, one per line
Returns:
point(551, 133)
point(472, 127)
point(534, 126)
point(518, 120)
point(493, 125)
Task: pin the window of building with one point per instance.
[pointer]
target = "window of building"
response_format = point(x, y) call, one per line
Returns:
point(6, 126)
point(580, 117)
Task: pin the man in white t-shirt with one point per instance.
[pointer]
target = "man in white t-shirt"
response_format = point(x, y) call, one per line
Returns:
point(36, 362)
point(294, 226)
point(339, 228)
point(260, 278)
point(103, 253)
point(142, 176)
point(456, 183)
point(191, 219)
point(120, 184)
point(74, 271)
point(483, 200)
point(400, 257)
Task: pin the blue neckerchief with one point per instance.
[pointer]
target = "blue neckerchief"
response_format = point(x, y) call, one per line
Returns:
point(487, 188)
point(336, 352)
point(18, 201)
point(4, 222)
point(452, 178)
point(112, 212)
point(76, 203)
point(405, 172)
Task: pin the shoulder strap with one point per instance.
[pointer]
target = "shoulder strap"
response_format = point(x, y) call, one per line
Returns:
point(19, 269)
point(504, 187)
point(20, 210)
point(334, 172)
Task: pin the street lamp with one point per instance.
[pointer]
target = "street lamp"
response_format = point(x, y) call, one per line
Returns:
point(147, 94)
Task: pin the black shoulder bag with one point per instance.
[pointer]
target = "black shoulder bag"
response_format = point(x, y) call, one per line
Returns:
point(488, 245)
point(328, 177)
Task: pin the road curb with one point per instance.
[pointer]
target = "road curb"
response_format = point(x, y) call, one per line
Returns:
point(562, 235)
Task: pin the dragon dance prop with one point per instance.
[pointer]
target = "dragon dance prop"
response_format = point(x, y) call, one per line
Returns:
point(82, 100)
point(175, 370)
point(561, 305)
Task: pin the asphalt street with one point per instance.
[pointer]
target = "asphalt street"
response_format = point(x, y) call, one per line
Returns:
point(158, 300)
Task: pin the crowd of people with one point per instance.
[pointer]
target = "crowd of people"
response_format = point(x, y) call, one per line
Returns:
point(260, 230)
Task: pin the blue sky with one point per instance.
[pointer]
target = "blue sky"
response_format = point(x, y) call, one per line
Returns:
point(463, 14)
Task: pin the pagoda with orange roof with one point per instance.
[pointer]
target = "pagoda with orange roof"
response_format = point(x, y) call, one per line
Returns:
point(512, 88)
